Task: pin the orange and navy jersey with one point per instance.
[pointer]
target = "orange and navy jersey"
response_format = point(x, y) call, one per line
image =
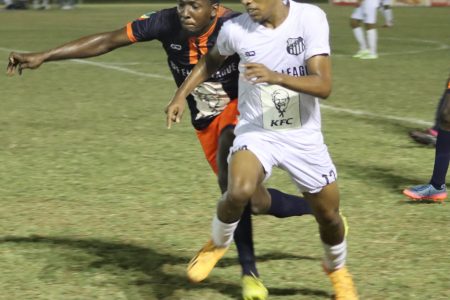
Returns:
point(183, 52)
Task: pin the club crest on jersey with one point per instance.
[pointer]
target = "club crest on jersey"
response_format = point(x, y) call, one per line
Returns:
point(295, 46)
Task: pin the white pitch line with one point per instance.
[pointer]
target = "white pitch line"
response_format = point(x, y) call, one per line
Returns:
point(121, 69)
point(372, 115)
point(102, 65)
point(324, 106)
point(439, 47)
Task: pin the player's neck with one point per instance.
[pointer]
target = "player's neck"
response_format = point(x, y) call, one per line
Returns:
point(204, 30)
point(279, 14)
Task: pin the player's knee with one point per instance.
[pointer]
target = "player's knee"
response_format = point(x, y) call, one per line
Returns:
point(354, 23)
point(240, 192)
point(327, 217)
point(370, 26)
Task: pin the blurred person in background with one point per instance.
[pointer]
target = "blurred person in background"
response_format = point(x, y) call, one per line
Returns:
point(18, 4)
point(67, 4)
point(45, 4)
point(436, 189)
point(8, 4)
point(187, 32)
point(365, 14)
point(41, 4)
point(388, 15)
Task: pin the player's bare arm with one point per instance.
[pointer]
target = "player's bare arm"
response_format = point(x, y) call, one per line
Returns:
point(88, 46)
point(205, 67)
point(316, 83)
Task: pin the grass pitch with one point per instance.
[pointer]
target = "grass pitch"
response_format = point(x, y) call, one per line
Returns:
point(98, 200)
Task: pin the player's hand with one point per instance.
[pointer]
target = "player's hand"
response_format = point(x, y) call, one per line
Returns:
point(259, 73)
point(19, 61)
point(174, 111)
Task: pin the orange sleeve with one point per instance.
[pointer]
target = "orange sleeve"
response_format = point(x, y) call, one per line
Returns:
point(130, 34)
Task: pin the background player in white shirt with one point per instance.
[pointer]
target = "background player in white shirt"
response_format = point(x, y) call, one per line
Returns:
point(365, 12)
point(285, 65)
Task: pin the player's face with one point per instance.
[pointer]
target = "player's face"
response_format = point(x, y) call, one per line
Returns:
point(196, 15)
point(260, 10)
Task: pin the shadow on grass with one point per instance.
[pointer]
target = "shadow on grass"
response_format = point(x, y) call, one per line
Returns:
point(384, 177)
point(227, 262)
point(150, 262)
point(418, 202)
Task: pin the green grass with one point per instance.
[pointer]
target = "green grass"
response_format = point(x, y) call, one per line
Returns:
point(98, 200)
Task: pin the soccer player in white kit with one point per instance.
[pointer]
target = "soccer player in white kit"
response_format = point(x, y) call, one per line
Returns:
point(285, 67)
point(365, 12)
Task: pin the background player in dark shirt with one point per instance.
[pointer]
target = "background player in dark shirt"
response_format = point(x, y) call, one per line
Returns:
point(436, 189)
point(187, 32)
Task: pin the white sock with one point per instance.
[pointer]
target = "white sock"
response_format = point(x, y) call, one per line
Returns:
point(372, 39)
point(358, 32)
point(335, 255)
point(222, 233)
point(388, 16)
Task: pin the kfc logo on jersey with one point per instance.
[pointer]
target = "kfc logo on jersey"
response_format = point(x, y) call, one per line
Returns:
point(280, 108)
point(295, 46)
point(281, 100)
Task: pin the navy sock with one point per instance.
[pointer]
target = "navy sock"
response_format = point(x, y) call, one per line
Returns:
point(442, 158)
point(285, 205)
point(243, 237)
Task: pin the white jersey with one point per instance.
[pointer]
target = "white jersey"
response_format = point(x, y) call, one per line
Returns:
point(285, 49)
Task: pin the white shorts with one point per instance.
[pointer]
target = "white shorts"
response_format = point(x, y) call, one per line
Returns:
point(310, 169)
point(386, 2)
point(367, 11)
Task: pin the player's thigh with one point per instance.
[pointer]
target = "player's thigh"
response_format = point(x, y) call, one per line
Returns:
point(245, 174)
